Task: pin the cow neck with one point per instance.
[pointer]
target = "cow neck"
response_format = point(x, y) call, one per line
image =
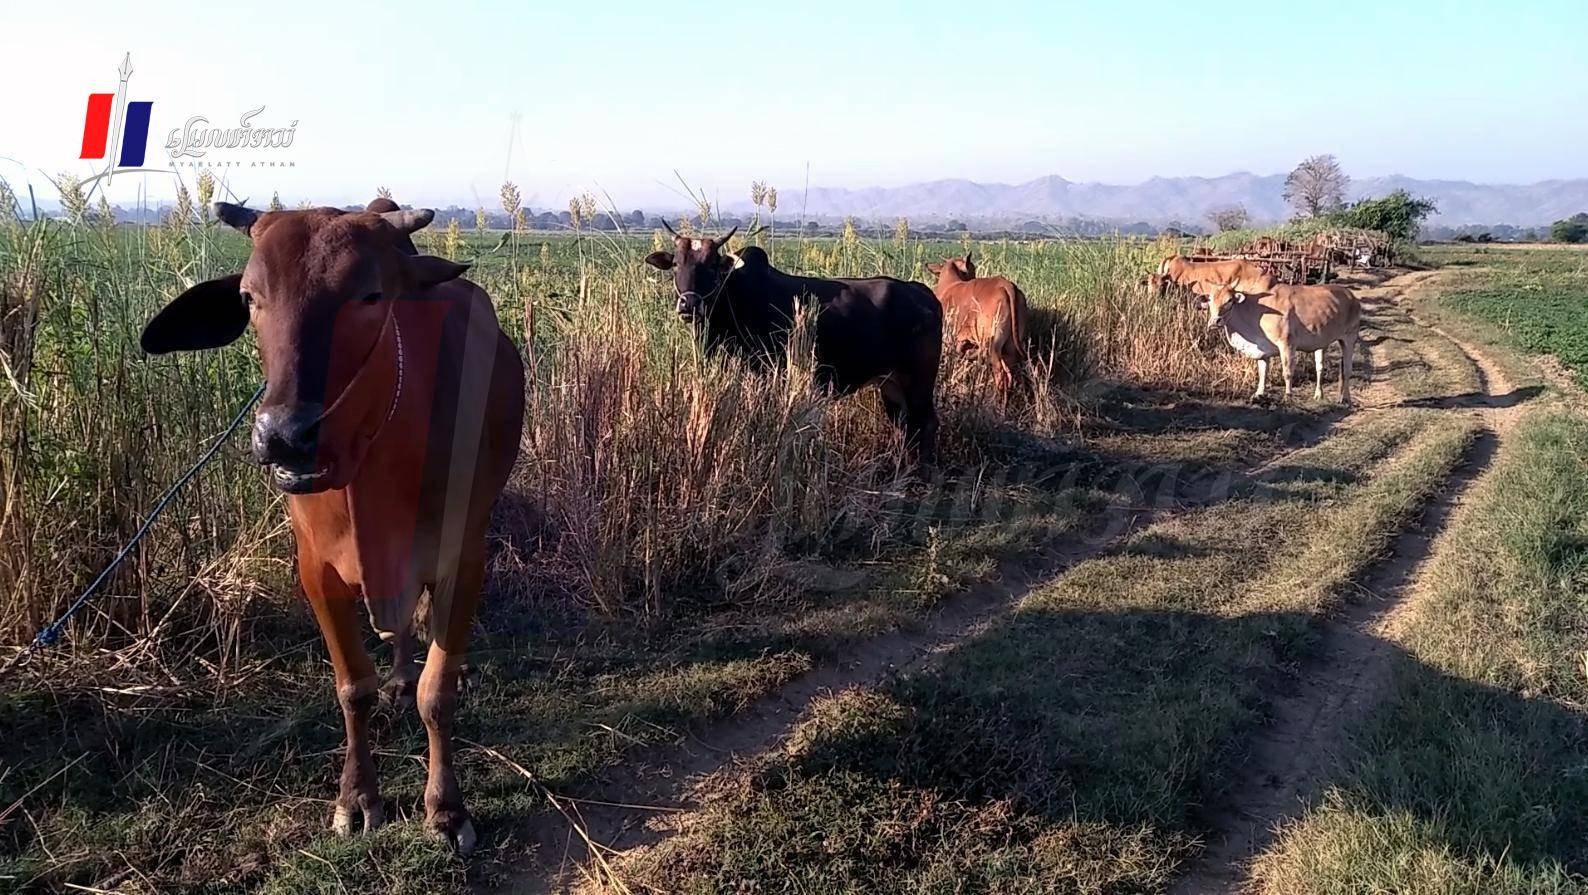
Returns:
point(392, 324)
point(723, 294)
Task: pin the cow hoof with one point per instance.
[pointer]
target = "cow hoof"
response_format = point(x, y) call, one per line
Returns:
point(344, 819)
point(455, 829)
point(398, 694)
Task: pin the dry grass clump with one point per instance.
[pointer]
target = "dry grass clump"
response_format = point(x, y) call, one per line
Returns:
point(91, 433)
point(655, 466)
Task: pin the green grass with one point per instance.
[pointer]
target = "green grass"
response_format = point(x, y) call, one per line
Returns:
point(1536, 299)
point(1065, 749)
point(1472, 776)
point(191, 708)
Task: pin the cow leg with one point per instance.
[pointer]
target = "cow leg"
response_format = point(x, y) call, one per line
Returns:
point(452, 613)
point(914, 414)
point(1005, 380)
point(920, 410)
point(1287, 366)
point(1317, 363)
point(336, 608)
point(892, 401)
point(1262, 377)
point(1347, 352)
point(920, 425)
point(400, 689)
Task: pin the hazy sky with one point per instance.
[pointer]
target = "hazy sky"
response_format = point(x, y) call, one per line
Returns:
point(617, 95)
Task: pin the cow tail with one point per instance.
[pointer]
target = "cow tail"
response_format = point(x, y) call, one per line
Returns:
point(1015, 299)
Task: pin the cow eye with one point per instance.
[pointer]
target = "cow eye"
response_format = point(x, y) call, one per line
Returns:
point(371, 298)
point(248, 298)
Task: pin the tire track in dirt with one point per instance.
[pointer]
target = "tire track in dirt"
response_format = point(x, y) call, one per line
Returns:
point(1289, 759)
point(617, 812)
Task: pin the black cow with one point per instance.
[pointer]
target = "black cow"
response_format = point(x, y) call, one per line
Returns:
point(878, 330)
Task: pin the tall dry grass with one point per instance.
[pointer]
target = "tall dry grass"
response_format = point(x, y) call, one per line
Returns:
point(649, 471)
point(91, 434)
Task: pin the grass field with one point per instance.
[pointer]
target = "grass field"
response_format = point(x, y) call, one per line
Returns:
point(1469, 777)
point(1537, 299)
point(196, 687)
point(1177, 564)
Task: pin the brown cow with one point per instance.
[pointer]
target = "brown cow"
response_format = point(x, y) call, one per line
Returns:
point(987, 313)
point(1286, 319)
point(1201, 276)
point(391, 420)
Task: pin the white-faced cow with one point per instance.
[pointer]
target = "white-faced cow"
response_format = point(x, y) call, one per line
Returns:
point(1284, 320)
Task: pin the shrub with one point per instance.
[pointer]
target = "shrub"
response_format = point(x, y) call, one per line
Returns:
point(1572, 230)
point(1398, 214)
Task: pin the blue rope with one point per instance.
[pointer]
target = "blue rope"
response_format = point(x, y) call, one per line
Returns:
point(52, 632)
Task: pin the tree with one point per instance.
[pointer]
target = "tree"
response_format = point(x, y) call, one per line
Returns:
point(1398, 214)
point(1316, 186)
point(1230, 217)
point(1573, 229)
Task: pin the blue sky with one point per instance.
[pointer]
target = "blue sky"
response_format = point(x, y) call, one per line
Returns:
point(616, 96)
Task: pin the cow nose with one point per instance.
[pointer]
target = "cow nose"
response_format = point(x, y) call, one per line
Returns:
point(688, 303)
point(287, 436)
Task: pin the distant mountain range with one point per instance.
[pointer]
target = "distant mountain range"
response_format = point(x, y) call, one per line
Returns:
point(1172, 199)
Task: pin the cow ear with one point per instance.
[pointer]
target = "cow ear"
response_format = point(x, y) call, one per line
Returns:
point(428, 270)
point(660, 260)
point(934, 267)
point(209, 315)
point(238, 217)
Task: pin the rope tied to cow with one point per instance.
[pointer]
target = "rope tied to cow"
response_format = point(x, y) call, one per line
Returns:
point(50, 634)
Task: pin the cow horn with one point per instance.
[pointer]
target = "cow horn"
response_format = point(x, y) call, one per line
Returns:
point(670, 229)
point(723, 240)
point(238, 217)
point(410, 221)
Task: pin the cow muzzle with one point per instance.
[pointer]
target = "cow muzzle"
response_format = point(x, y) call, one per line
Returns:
point(287, 440)
point(691, 306)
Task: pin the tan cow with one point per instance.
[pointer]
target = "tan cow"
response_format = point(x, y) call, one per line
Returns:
point(1286, 319)
point(987, 313)
point(1201, 276)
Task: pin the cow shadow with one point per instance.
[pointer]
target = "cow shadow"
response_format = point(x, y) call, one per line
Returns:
point(1403, 364)
point(1477, 400)
point(1127, 410)
point(1375, 341)
point(1149, 720)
